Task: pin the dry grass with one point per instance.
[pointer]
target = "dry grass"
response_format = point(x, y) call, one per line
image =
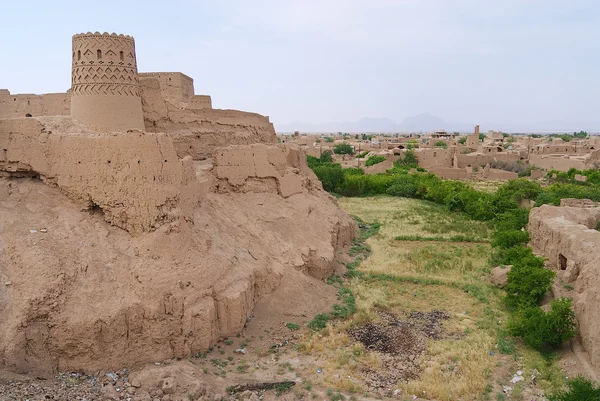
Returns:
point(459, 365)
point(405, 276)
point(440, 260)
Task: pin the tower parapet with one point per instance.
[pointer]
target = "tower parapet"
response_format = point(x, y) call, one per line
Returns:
point(104, 82)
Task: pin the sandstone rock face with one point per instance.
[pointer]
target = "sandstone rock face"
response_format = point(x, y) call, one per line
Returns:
point(567, 237)
point(500, 275)
point(174, 254)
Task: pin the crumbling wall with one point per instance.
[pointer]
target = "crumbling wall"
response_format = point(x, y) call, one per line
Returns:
point(175, 87)
point(567, 237)
point(557, 162)
point(197, 133)
point(480, 159)
point(84, 295)
point(430, 158)
point(135, 179)
point(22, 105)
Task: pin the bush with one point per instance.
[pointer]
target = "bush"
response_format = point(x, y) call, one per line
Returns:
point(509, 238)
point(329, 139)
point(375, 159)
point(361, 185)
point(343, 149)
point(331, 175)
point(441, 144)
point(404, 185)
point(542, 330)
point(326, 157)
point(528, 281)
point(353, 171)
point(408, 159)
point(312, 161)
point(580, 389)
point(462, 140)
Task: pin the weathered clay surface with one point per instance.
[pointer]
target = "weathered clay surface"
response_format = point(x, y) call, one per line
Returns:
point(192, 247)
point(568, 238)
point(198, 132)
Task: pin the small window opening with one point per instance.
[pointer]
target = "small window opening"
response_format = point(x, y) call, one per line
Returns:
point(562, 261)
point(434, 154)
point(78, 55)
point(99, 52)
point(28, 115)
point(121, 56)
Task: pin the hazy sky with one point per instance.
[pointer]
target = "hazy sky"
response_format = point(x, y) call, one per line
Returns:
point(506, 61)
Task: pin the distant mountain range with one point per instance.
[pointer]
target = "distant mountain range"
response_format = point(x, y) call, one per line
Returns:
point(426, 122)
point(422, 122)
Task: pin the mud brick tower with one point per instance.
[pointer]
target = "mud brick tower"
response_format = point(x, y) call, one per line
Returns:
point(104, 82)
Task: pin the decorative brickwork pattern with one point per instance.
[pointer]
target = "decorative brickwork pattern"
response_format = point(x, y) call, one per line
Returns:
point(105, 89)
point(104, 64)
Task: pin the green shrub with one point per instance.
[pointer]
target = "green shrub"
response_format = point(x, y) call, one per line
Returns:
point(312, 161)
point(528, 281)
point(361, 185)
point(542, 330)
point(462, 140)
point(343, 149)
point(326, 157)
point(331, 176)
point(362, 155)
point(409, 158)
point(292, 326)
point(375, 159)
point(509, 238)
point(404, 185)
point(441, 144)
point(579, 389)
point(353, 171)
point(329, 139)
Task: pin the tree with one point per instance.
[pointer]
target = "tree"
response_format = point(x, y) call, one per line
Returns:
point(441, 144)
point(482, 137)
point(326, 157)
point(343, 149)
point(462, 140)
point(409, 159)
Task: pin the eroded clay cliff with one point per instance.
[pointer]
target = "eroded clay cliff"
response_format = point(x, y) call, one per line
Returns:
point(116, 251)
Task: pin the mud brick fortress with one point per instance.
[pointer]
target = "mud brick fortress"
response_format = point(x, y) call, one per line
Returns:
point(106, 88)
point(158, 217)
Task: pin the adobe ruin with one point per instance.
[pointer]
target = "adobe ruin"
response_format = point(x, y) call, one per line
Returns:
point(141, 224)
point(568, 237)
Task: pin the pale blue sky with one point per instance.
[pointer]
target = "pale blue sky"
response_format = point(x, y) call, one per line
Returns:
point(501, 61)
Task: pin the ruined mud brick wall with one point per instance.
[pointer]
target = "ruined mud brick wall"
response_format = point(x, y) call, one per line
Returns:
point(478, 159)
point(557, 162)
point(94, 297)
point(567, 237)
point(435, 157)
point(197, 133)
point(200, 102)
point(136, 179)
point(105, 85)
point(175, 87)
point(23, 105)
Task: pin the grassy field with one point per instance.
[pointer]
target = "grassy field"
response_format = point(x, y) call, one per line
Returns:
point(424, 259)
